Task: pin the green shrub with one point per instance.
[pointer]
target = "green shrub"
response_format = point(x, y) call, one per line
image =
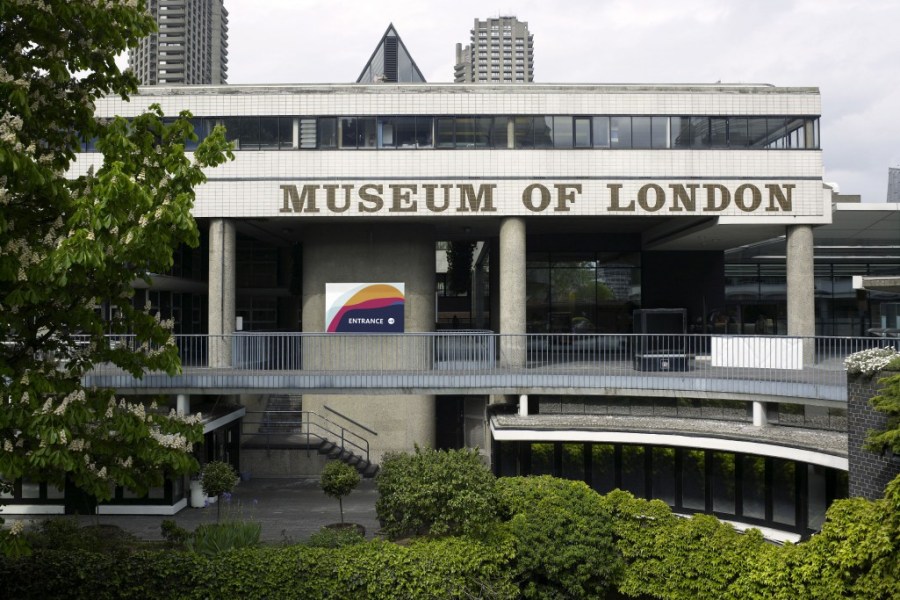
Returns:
point(328, 537)
point(173, 533)
point(67, 532)
point(210, 539)
point(435, 492)
point(218, 478)
point(563, 538)
point(338, 480)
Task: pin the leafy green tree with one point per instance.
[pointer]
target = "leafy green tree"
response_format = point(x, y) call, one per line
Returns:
point(435, 492)
point(338, 480)
point(71, 240)
point(218, 478)
point(887, 401)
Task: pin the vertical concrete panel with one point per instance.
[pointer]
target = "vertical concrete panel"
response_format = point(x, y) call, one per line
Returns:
point(373, 253)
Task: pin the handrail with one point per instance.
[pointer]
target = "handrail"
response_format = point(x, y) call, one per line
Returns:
point(308, 423)
point(358, 424)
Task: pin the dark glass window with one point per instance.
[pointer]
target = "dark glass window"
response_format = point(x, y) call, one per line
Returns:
point(640, 132)
point(562, 132)
point(582, 132)
point(603, 467)
point(737, 132)
point(500, 132)
point(663, 476)
point(524, 131)
point(348, 132)
point(465, 132)
point(404, 132)
point(633, 471)
point(659, 132)
point(542, 458)
point(722, 482)
point(681, 132)
point(268, 133)
point(757, 132)
point(366, 132)
point(482, 131)
point(425, 132)
point(693, 479)
point(753, 487)
point(718, 132)
point(784, 491)
point(620, 132)
point(445, 132)
point(543, 132)
point(285, 132)
point(699, 132)
point(601, 132)
point(573, 461)
point(326, 132)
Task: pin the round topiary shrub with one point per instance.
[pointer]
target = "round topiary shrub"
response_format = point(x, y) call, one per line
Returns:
point(338, 480)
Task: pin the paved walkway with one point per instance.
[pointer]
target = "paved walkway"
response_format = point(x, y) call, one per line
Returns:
point(289, 510)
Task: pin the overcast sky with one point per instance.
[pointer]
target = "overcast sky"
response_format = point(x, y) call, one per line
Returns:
point(849, 49)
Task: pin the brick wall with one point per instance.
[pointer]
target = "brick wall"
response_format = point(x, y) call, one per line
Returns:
point(869, 473)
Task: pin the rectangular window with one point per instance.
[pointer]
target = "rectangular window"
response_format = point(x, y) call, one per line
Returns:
point(603, 468)
point(699, 132)
point(542, 458)
point(500, 132)
point(681, 132)
point(543, 132)
point(737, 132)
point(659, 132)
point(425, 132)
point(722, 482)
point(663, 475)
point(582, 132)
point(268, 133)
point(404, 132)
point(633, 470)
point(573, 461)
point(601, 132)
point(366, 132)
point(524, 131)
point(640, 132)
point(445, 134)
point(718, 132)
point(693, 479)
point(757, 132)
point(286, 133)
point(562, 132)
point(620, 132)
point(326, 134)
point(465, 132)
point(348, 132)
point(482, 129)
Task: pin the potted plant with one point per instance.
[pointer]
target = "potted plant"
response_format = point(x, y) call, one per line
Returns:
point(338, 480)
point(218, 478)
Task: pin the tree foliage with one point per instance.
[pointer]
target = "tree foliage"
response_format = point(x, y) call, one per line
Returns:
point(888, 402)
point(435, 492)
point(338, 480)
point(73, 238)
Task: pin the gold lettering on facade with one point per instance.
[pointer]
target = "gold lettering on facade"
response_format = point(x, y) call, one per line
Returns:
point(711, 204)
point(783, 198)
point(680, 194)
point(740, 197)
point(614, 205)
point(528, 197)
point(370, 200)
point(565, 195)
point(295, 200)
point(401, 198)
point(469, 201)
point(659, 197)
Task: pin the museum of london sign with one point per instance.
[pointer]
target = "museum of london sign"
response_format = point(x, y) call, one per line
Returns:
point(539, 198)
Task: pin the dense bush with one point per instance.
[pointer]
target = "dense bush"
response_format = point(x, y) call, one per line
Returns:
point(328, 537)
point(210, 539)
point(435, 492)
point(438, 569)
point(563, 538)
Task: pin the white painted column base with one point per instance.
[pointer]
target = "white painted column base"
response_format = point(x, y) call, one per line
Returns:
point(523, 405)
point(760, 418)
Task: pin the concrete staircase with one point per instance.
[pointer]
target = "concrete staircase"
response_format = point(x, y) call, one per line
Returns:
point(285, 426)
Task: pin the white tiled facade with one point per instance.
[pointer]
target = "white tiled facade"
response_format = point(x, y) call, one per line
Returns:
point(253, 185)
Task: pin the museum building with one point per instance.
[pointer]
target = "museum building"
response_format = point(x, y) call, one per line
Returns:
point(626, 233)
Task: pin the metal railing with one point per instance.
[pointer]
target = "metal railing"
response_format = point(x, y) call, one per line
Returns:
point(774, 365)
point(280, 427)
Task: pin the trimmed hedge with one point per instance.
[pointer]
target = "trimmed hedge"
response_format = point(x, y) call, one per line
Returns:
point(446, 568)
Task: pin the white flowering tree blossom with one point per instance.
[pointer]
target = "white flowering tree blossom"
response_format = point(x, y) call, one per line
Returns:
point(69, 244)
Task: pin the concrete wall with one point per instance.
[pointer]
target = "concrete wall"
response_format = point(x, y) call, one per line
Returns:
point(869, 472)
point(282, 463)
point(362, 254)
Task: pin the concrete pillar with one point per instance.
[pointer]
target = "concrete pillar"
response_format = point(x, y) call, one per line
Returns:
point(511, 133)
point(494, 284)
point(523, 405)
point(222, 261)
point(801, 301)
point(183, 404)
point(760, 419)
point(512, 292)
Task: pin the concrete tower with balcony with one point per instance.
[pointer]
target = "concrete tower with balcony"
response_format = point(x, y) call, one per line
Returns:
point(501, 51)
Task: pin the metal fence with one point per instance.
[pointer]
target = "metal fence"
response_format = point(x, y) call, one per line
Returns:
point(477, 359)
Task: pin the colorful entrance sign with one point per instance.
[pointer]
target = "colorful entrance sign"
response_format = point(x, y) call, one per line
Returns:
point(364, 307)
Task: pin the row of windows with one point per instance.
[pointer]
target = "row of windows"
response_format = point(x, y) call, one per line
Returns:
point(557, 131)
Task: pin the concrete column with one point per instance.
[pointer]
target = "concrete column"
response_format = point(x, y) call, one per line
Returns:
point(760, 419)
point(511, 133)
point(523, 405)
point(512, 292)
point(801, 301)
point(222, 261)
point(494, 284)
point(183, 404)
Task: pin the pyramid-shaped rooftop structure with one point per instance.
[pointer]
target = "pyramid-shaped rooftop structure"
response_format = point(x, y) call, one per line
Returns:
point(391, 62)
